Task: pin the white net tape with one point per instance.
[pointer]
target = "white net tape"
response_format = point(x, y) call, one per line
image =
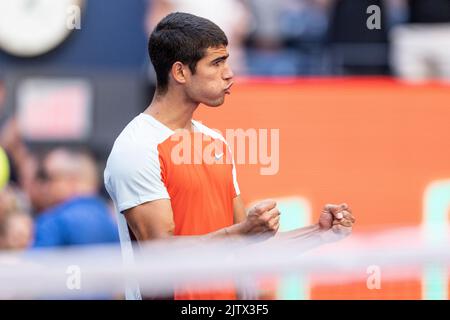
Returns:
point(159, 266)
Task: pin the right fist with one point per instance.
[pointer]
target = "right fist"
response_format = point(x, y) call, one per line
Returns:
point(262, 219)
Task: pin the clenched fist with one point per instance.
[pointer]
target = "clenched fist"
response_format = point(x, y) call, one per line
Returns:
point(336, 221)
point(262, 219)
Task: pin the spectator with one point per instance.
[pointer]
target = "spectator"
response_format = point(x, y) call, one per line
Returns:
point(16, 232)
point(24, 166)
point(77, 215)
point(16, 225)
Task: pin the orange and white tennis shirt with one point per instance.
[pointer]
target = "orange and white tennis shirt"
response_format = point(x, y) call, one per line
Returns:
point(149, 161)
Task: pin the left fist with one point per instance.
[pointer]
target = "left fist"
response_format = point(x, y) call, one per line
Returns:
point(337, 219)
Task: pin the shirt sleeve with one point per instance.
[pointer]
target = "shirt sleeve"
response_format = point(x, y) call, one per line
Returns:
point(133, 176)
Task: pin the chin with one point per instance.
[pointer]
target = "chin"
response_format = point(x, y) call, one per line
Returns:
point(215, 103)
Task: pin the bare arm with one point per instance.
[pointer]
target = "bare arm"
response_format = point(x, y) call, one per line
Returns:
point(335, 222)
point(154, 220)
point(299, 232)
point(239, 214)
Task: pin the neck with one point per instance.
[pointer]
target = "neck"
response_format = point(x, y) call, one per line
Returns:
point(173, 110)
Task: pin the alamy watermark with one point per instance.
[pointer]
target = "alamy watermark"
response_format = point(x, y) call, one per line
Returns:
point(374, 279)
point(73, 281)
point(251, 146)
point(373, 22)
point(73, 20)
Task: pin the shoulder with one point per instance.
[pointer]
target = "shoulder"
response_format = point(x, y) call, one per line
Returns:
point(213, 133)
point(81, 202)
point(83, 207)
point(136, 146)
point(142, 131)
point(50, 216)
point(70, 205)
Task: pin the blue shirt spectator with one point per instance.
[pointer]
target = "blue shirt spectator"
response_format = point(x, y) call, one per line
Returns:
point(78, 221)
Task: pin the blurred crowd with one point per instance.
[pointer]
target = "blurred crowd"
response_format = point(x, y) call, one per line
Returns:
point(328, 37)
point(51, 196)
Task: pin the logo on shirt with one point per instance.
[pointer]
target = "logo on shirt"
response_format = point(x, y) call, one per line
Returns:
point(218, 156)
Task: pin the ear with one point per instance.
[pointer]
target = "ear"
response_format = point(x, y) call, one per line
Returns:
point(179, 72)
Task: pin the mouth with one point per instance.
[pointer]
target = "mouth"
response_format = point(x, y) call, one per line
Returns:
point(227, 89)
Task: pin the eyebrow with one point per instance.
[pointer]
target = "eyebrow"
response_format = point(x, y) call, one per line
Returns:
point(220, 58)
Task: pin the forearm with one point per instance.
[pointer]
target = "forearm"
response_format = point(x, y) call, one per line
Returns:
point(237, 231)
point(302, 239)
point(233, 232)
point(306, 237)
point(307, 231)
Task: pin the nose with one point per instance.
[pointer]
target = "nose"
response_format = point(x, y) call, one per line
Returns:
point(228, 73)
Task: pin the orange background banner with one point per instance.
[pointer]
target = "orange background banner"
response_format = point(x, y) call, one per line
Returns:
point(373, 143)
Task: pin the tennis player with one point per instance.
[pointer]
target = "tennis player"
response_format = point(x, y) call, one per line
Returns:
point(160, 197)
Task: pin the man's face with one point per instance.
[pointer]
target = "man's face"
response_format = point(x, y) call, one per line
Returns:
point(58, 185)
point(212, 79)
